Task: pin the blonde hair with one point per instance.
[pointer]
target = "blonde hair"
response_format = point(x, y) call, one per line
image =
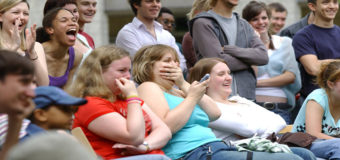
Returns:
point(145, 58)
point(328, 72)
point(89, 81)
point(202, 67)
point(5, 5)
point(198, 6)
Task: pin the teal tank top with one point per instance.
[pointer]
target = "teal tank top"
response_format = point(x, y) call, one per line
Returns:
point(193, 134)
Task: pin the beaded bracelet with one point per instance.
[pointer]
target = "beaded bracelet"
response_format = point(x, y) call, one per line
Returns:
point(131, 96)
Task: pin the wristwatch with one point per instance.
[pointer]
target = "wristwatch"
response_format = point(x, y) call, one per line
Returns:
point(146, 144)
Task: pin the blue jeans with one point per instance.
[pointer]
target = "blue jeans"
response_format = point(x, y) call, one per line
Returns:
point(328, 149)
point(222, 151)
point(303, 153)
point(286, 115)
point(146, 157)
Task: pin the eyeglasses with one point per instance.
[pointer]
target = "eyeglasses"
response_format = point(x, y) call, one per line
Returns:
point(168, 22)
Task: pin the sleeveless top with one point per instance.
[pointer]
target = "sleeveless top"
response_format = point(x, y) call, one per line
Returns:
point(61, 81)
point(193, 134)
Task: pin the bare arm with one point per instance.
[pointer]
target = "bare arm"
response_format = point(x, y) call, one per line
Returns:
point(314, 114)
point(12, 137)
point(149, 91)
point(311, 63)
point(115, 127)
point(40, 65)
point(283, 79)
point(160, 134)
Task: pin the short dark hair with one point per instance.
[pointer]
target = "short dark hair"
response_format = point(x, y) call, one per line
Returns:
point(253, 9)
point(50, 4)
point(311, 1)
point(12, 63)
point(165, 10)
point(277, 7)
point(132, 2)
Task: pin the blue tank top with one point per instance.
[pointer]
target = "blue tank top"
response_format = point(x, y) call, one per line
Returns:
point(193, 134)
point(62, 80)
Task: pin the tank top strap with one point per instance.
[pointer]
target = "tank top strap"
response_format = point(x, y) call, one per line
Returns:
point(71, 58)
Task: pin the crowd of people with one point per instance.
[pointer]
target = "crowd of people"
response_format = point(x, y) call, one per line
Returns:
point(235, 81)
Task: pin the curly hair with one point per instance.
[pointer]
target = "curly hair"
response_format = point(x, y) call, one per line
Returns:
point(328, 72)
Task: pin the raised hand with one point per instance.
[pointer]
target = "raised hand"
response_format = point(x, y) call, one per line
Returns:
point(30, 40)
point(12, 40)
point(172, 72)
point(126, 86)
point(197, 89)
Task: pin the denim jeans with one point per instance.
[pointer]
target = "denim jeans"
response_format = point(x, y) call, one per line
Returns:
point(222, 151)
point(146, 157)
point(327, 149)
point(303, 153)
point(286, 115)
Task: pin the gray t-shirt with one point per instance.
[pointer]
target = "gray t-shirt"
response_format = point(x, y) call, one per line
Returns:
point(228, 25)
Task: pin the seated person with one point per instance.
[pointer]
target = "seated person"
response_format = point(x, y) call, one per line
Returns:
point(53, 110)
point(115, 120)
point(187, 111)
point(319, 114)
point(240, 118)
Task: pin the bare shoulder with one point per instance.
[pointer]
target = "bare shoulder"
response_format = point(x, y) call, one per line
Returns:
point(148, 86)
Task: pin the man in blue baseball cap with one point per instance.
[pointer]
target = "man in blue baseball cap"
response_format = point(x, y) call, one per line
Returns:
point(54, 109)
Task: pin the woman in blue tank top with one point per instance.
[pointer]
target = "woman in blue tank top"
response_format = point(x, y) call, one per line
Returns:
point(185, 108)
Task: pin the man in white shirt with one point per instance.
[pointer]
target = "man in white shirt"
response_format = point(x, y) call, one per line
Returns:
point(144, 30)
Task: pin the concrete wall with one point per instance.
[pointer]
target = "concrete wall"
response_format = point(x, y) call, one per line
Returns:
point(99, 28)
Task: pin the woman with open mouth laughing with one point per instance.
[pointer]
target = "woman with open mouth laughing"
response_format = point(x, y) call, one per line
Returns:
point(14, 15)
point(58, 35)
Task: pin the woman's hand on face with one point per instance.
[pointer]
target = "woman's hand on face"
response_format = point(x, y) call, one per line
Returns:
point(30, 39)
point(126, 86)
point(130, 149)
point(172, 72)
point(197, 89)
point(14, 41)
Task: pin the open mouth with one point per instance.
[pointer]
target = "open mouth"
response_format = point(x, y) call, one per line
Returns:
point(71, 33)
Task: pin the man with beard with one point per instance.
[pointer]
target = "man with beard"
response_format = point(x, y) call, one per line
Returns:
point(220, 32)
point(16, 93)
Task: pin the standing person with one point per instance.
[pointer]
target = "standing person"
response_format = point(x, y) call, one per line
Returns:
point(14, 35)
point(220, 32)
point(319, 114)
point(87, 10)
point(114, 120)
point(277, 18)
point(16, 93)
point(279, 80)
point(156, 69)
point(188, 50)
point(240, 118)
point(317, 42)
point(81, 45)
point(58, 35)
point(291, 30)
point(144, 30)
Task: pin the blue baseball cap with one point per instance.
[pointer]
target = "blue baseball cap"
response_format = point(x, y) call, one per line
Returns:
point(50, 95)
